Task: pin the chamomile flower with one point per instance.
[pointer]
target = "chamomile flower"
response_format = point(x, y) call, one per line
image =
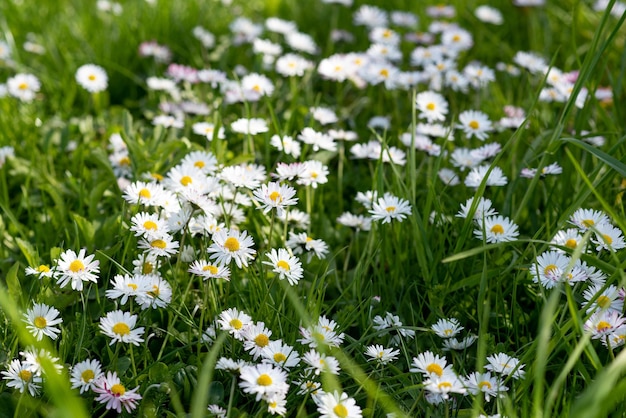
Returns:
point(280, 354)
point(505, 365)
point(337, 405)
point(381, 354)
point(484, 383)
point(234, 322)
point(23, 86)
point(390, 207)
point(431, 106)
point(255, 338)
point(76, 268)
point(586, 218)
point(158, 293)
point(477, 174)
point(475, 123)
point(208, 270)
point(602, 324)
point(275, 196)
point(549, 268)
point(85, 374)
point(313, 174)
point(430, 365)
point(569, 238)
point(19, 376)
point(120, 327)
point(92, 78)
point(164, 246)
point(447, 328)
point(263, 380)
point(444, 385)
point(41, 320)
point(148, 194)
point(285, 265)
point(148, 225)
point(42, 270)
point(319, 362)
point(608, 237)
point(609, 299)
point(114, 394)
point(495, 229)
point(231, 245)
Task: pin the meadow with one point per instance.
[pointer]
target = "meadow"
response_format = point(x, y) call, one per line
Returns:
point(325, 208)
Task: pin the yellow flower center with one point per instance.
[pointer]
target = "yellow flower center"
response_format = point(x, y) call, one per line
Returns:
point(571, 243)
point(434, 368)
point(158, 243)
point(603, 326)
point(87, 376)
point(384, 72)
point(456, 38)
point(283, 265)
point(314, 175)
point(497, 229)
point(156, 176)
point(150, 225)
point(444, 385)
point(318, 336)
point(231, 244)
point(275, 196)
point(484, 384)
point(76, 266)
point(210, 269)
point(118, 390)
point(43, 269)
point(550, 268)
point(474, 125)
point(40, 322)
point(199, 164)
point(608, 239)
point(256, 88)
point(430, 106)
point(341, 411)
point(603, 301)
point(264, 380)
point(25, 375)
point(124, 161)
point(22, 86)
point(145, 193)
point(279, 357)
point(121, 328)
point(447, 331)
point(236, 323)
point(261, 340)
point(186, 181)
point(91, 77)
point(390, 209)
point(147, 268)
point(132, 286)
point(308, 239)
point(155, 291)
point(588, 223)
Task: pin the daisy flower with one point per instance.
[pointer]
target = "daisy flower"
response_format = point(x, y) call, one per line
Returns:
point(300, 243)
point(208, 270)
point(125, 286)
point(85, 374)
point(23, 86)
point(489, 14)
point(318, 140)
point(76, 268)
point(280, 354)
point(586, 218)
point(255, 338)
point(164, 246)
point(489, 385)
point(208, 130)
point(234, 322)
point(263, 380)
point(380, 354)
point(313, 173)
point(275, 196)
point(43, 270)
point(232, 244)
point(495, 229)
point(430, 365)
point(475, 123)
point(447, 328)
point(454, 344)
point(285, 265)
point(602, 324)
point(318, 363)
point(569, 238)
point(158, 293)
point(41, 320)
point(251, 126)
point(505, 365)
point(390, 207)
point(336, 405)
point(431, 106)
point(609, 299)
point(120, 327)
point(114, 394)
point(148, 194)
point(549, 267)
point(477, 174)
point(92, 78)
point(148, 225)
point(358, 222)
point(608, 237)
point(19, 376)
point(444, 385)
point(483, 209)
point(230, 365)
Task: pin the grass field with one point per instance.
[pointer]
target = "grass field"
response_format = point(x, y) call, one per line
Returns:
point(322, 208)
